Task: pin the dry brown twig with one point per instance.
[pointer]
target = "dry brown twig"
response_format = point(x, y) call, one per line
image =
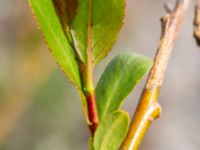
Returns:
point(148, 108)
point(197, 22)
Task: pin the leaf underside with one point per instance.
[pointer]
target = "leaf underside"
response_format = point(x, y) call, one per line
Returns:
point(118, 80)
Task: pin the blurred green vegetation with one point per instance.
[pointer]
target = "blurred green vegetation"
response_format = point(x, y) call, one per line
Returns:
point(52, 120)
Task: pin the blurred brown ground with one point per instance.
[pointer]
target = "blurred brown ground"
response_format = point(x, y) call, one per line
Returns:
point(39, 108)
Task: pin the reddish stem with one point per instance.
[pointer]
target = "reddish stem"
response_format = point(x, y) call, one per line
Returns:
point(92, 112)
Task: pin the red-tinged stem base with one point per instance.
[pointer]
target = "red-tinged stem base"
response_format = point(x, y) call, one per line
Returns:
point(92, 112)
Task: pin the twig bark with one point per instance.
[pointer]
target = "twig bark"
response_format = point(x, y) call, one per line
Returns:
point(148, 108)
point(197, 22)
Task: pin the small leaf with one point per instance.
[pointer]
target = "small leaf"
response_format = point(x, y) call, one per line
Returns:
point(106, 19)
point(111, 131)
point(66, 10)
point(118, 80)
point(45, 14)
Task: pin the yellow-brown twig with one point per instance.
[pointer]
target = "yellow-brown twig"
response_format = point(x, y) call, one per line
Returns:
point(148, 109)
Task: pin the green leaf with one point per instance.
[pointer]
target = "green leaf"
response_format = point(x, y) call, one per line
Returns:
point(111, 131)
point(45, 14)
point(118, 80)
point(106, 19)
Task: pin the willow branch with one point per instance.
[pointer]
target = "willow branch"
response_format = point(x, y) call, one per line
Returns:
point(197, 22)
point(148, 108)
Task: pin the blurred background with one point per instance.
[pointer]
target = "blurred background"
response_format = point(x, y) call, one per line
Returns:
point(41, 110)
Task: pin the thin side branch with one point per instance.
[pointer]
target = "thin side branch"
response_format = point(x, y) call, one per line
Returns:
point(148, 108)
point(197, 22)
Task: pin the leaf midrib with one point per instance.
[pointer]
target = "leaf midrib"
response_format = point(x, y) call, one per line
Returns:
point(89, 35)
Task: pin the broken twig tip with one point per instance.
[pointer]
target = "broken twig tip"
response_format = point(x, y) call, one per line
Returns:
point(196, 32)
